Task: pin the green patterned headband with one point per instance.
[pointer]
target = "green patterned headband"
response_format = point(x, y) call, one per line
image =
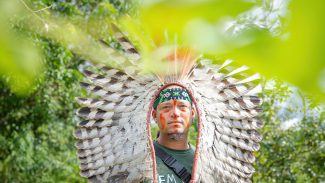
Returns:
point(172, 93)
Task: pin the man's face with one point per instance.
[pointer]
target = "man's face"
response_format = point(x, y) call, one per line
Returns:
point(174, 116)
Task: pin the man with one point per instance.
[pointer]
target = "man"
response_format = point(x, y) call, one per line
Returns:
point(174, 114)
point(115, 143)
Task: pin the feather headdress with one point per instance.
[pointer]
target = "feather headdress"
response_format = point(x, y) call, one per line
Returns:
point(114, 141)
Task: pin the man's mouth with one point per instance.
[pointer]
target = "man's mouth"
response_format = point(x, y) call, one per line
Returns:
point(176, 122)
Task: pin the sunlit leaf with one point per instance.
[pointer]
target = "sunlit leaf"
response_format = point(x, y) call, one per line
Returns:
point(297, 56)
point(173, 16)
point(20, 60)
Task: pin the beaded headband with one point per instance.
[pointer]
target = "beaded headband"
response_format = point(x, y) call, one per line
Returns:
point(172, 93)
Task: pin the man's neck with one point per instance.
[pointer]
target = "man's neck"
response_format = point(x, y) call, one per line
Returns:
point(180, 144)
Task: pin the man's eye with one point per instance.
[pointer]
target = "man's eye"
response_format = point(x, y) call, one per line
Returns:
point(166, 107)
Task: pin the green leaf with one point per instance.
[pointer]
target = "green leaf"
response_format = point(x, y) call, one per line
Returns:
point(297, 56)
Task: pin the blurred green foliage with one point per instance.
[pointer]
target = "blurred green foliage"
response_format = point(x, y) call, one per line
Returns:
point(296, 46)
point(38, 121)
point(20, 59)
point(296, 54)
point(36, 142)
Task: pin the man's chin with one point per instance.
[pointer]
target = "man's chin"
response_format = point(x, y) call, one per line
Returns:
point(176, 136)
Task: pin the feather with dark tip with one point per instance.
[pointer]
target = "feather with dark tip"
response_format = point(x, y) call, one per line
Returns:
point(127, 46)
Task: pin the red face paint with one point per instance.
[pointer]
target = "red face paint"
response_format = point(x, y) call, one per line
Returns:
point(174, 109)
point(187, 124)
point(162, 121)
point(165, 111)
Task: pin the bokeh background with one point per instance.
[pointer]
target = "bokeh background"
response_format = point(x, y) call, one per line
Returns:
point(45, 43)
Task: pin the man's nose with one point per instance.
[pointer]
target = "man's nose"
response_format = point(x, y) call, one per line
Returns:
point(175, 112)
